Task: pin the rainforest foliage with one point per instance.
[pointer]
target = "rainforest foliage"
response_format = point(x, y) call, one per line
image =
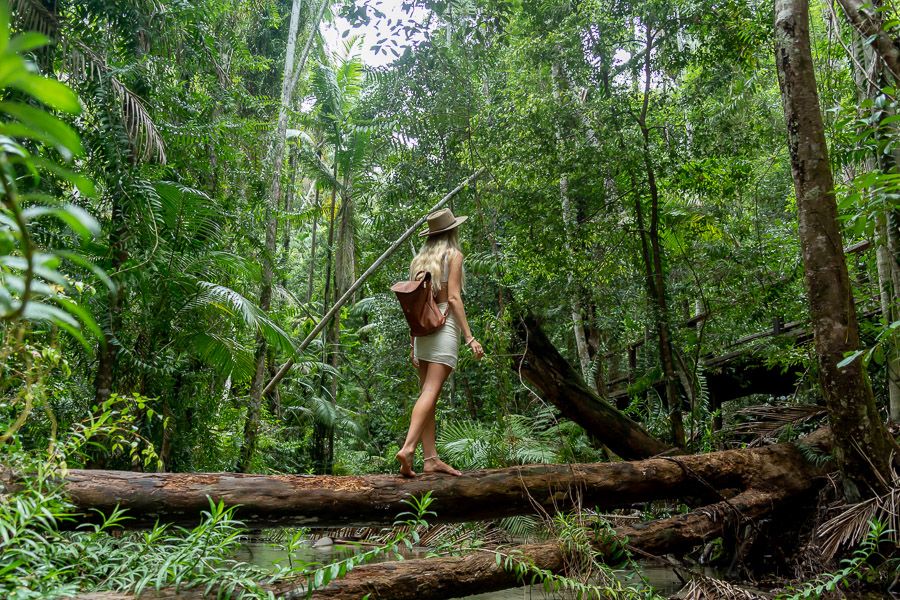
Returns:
point(187, 189)
point(177, 105)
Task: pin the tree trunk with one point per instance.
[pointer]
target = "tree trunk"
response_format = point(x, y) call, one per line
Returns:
point(344, 274)
point(652, 255)
point(312, 249)
point(559, 384)
point(888, 297)
point(322, 432)
point(286, 230)
point(868, 25)
point(107, 354)
point(345, 261)
point(276, 159)
point(892, 226)
point(334, 501)
point(862, 443)
point(569, 225)
point(870, 78)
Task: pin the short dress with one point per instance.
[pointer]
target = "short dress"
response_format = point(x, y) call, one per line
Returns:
point(442, 346)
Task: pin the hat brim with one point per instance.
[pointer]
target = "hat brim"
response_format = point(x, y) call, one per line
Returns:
point(455, 224)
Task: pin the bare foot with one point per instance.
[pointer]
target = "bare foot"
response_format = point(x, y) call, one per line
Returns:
point(436, 465)
point(406, 463)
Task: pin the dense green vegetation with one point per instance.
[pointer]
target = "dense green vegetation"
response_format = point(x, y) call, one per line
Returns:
point(175, 220)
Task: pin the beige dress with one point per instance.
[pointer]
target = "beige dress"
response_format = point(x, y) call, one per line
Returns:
point(442, 346)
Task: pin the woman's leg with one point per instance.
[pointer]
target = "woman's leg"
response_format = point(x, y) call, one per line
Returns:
point(432, 463)
point(435, 375)
point(429, 449)
point(423, 370)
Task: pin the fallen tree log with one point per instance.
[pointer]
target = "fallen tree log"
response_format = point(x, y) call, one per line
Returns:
point(478, 572)
point(443, 578)
point(558, 383)
point(331, 501)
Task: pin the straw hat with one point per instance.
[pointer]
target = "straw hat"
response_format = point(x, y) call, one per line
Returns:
point(441, 221)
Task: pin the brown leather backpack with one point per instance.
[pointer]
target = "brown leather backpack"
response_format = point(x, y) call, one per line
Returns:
point(419, 308)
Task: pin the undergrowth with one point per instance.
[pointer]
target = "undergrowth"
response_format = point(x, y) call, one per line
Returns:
point(588, 572)
point(46, 552)
point(866, 565)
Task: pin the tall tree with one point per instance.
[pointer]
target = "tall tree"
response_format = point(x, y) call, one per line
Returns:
point(570, 231)
point(651, 251)
point(863, 445)
point(276, 159)
point(871, 78)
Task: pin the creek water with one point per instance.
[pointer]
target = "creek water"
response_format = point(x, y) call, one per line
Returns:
point(663, 579)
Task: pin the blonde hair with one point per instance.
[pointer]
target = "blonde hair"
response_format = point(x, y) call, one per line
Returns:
point(431, 256)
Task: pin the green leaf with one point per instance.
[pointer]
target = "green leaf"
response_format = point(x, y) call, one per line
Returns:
point(4, 26)
point(850, 358)
point(83, 262)
point(83, 315)
point(889, 120)
point(78, 219)
point(49, 91)
point(38, 311)
point(84, 185)
point(25, 42)
point(63, 137)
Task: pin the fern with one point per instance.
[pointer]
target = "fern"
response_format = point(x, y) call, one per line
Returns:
point(813, 455)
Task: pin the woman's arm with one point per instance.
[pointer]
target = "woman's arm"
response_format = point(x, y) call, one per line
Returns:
point(457, 309)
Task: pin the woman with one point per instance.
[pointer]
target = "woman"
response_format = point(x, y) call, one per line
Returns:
point(435, 355)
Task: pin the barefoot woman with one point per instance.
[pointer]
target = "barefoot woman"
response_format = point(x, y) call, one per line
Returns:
point(435, 355)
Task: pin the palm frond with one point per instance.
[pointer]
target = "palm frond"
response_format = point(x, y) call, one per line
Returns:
point(322, 410)
point(315, 167)
point(522, 526)
point(82, 64)
point(327, 92)
point(467, 444)
point(233, 304)
point(31, 15)
point(145, 138)
point(767, 422)
point(483, 263)
point(849, 527)
point(701, 587)
point(224, 354)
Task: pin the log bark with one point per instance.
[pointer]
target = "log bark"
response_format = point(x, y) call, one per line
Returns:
point(862, 444)
point(478, 572)
point(558, 383)
point(333, 501)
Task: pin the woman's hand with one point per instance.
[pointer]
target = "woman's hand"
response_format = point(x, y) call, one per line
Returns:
point(477, 350)
point(412, 358)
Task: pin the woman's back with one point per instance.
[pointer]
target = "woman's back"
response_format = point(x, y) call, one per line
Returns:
point(442, 293)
